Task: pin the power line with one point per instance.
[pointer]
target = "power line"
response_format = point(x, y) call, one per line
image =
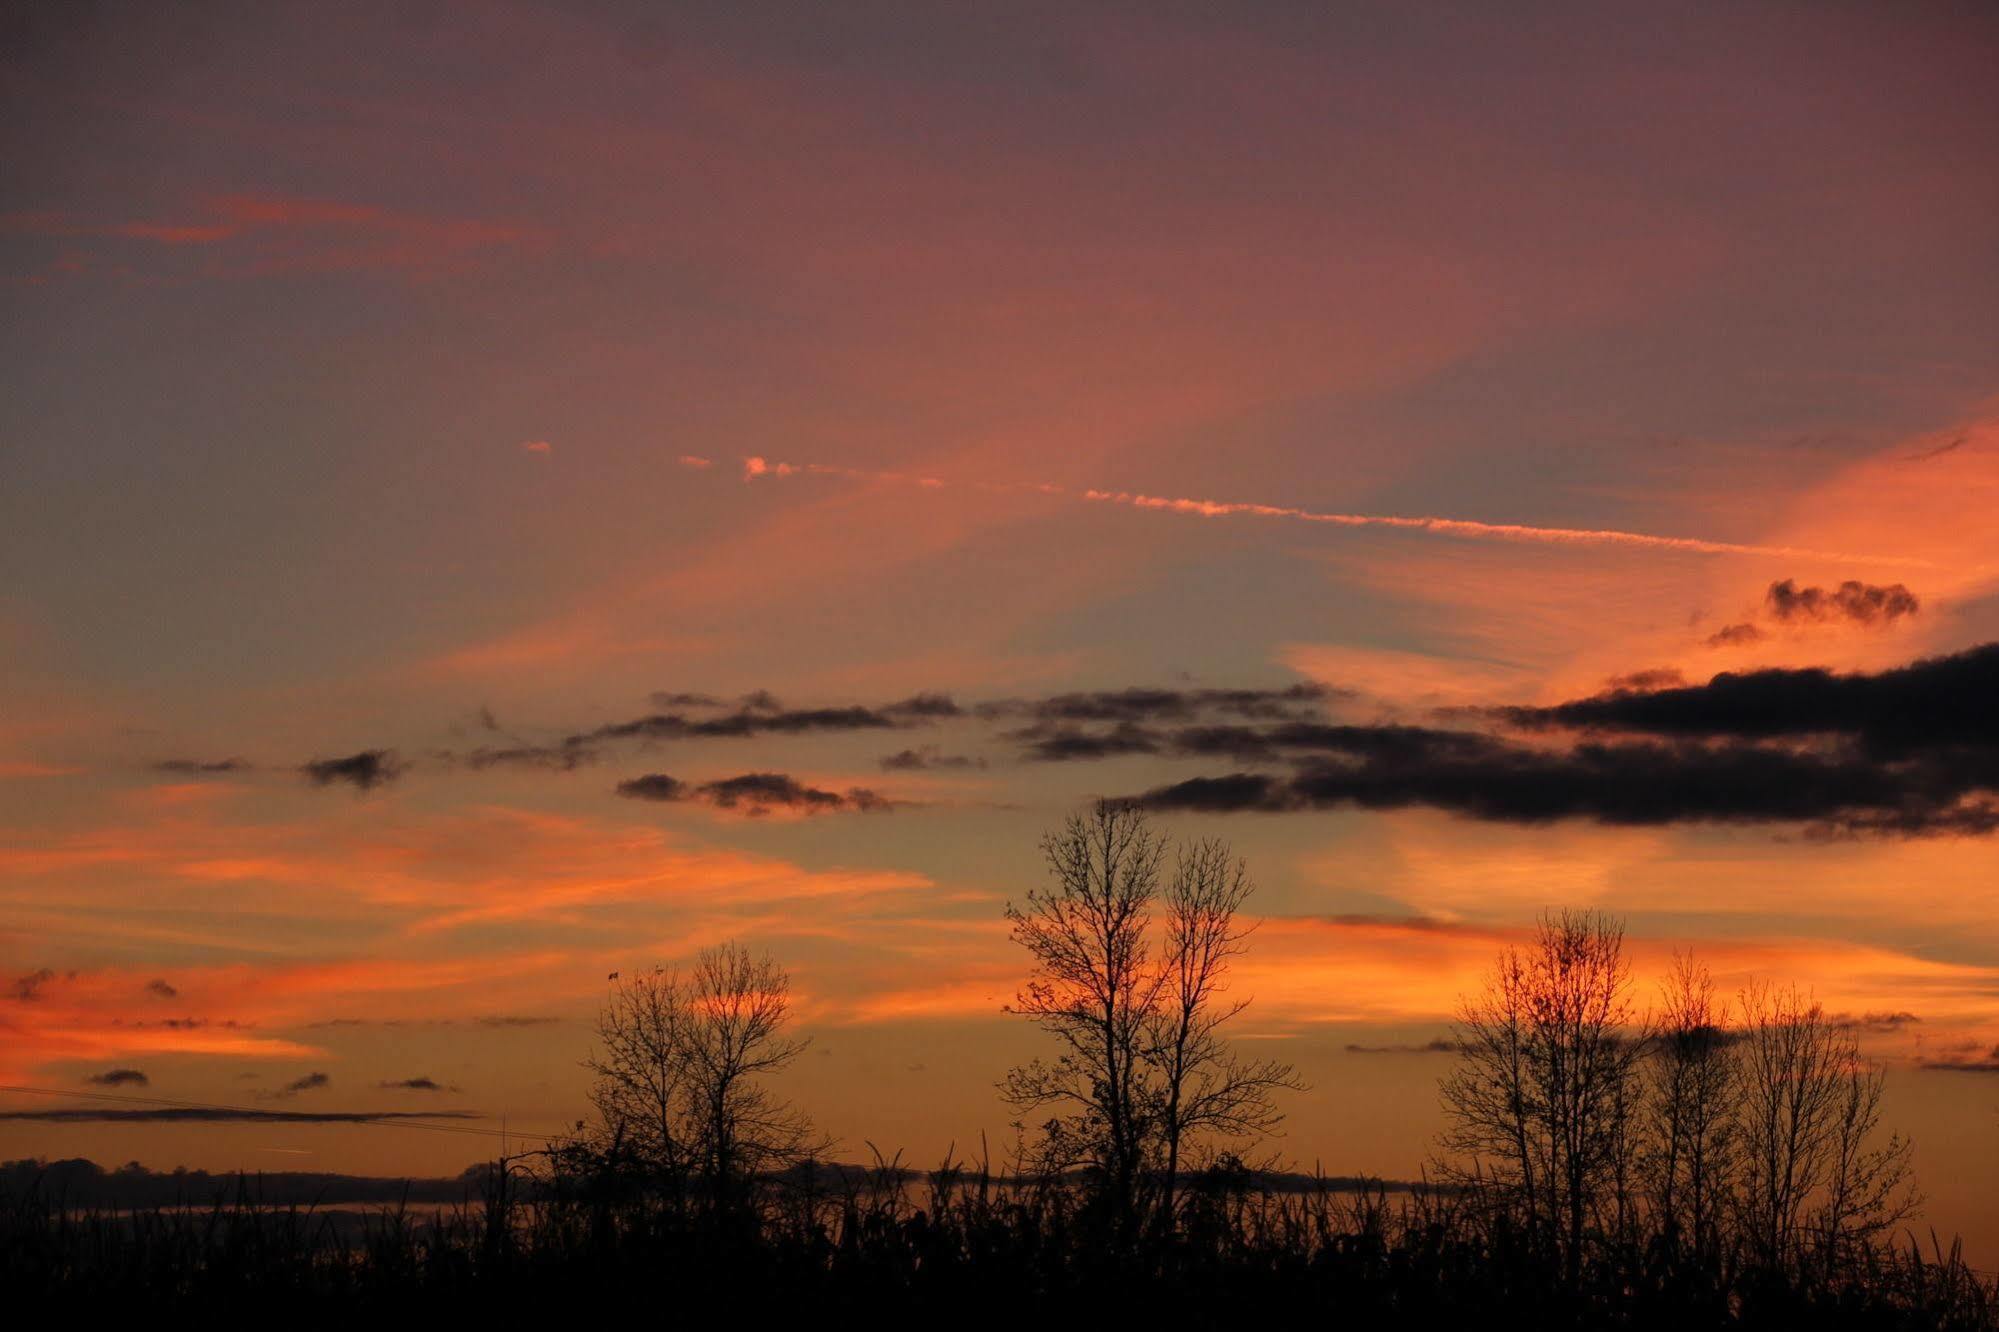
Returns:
point(255, 1114)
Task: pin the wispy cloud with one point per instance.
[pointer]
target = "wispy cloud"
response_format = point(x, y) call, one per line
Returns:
point(249, 235)
point(185, 767)
point(220, 1115)
point(927, 757)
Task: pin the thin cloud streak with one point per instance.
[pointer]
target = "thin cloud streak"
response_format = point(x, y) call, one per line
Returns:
point(205, 1115)
point(755, 467)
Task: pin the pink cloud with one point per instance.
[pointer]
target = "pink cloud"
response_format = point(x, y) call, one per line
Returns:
point(254, 234)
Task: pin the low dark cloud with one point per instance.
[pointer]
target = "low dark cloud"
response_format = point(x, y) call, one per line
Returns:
point(1138, 705)
point(119, 1077)
point(554, 758)
point(925, 757)
point(501, 1020)
point(159, 989)
point(926, 706)
point(747, 721)
point(1734, 635)
point(655, 786)
point(754, 793)
point(1852, 602)
point(363, 771)
point(1438, 1046)
point(1374, 920)
point(416, 1085)
point(1868, 605)
point(1987, 1062)
point(1895, 1021)
point(760, 713)
point(1644, 681)
point(1909, 751)
point(310, 1082)
point(186, 767)
point(1062, 743)
point(759, 791)
point(27, 989)
point(1840, 789)
point(1055, 728)
point(225, 1115)
point(1243, 743)
point(1935, 703)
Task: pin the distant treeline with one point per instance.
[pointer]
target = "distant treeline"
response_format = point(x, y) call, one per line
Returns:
point(81, 1185)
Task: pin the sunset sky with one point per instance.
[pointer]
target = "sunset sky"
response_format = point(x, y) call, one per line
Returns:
point(494, 495)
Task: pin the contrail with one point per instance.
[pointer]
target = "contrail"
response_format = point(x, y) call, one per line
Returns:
point(756, 467)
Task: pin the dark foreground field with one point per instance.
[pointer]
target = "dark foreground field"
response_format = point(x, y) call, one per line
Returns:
point(897, 1247)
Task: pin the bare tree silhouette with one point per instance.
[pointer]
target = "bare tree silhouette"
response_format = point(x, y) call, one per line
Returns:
point(1540, 1105)
point(740, 1005)
point(642, 1084)
point(1205, 1089)
point(1143, 1071)
point(1094, 989)
point(1694, 1090)
point(1810, 1107)
point(678, 1086)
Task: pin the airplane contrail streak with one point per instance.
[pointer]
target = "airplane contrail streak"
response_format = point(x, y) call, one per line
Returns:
point(757, 467)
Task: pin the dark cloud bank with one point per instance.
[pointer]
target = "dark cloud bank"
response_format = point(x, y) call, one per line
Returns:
point(1908, 751)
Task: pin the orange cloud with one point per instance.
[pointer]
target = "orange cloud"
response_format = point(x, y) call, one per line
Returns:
point(14, 768)
point(1302, 971)
point(435, 873)
point(237, 1010)
point(1556, 621)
